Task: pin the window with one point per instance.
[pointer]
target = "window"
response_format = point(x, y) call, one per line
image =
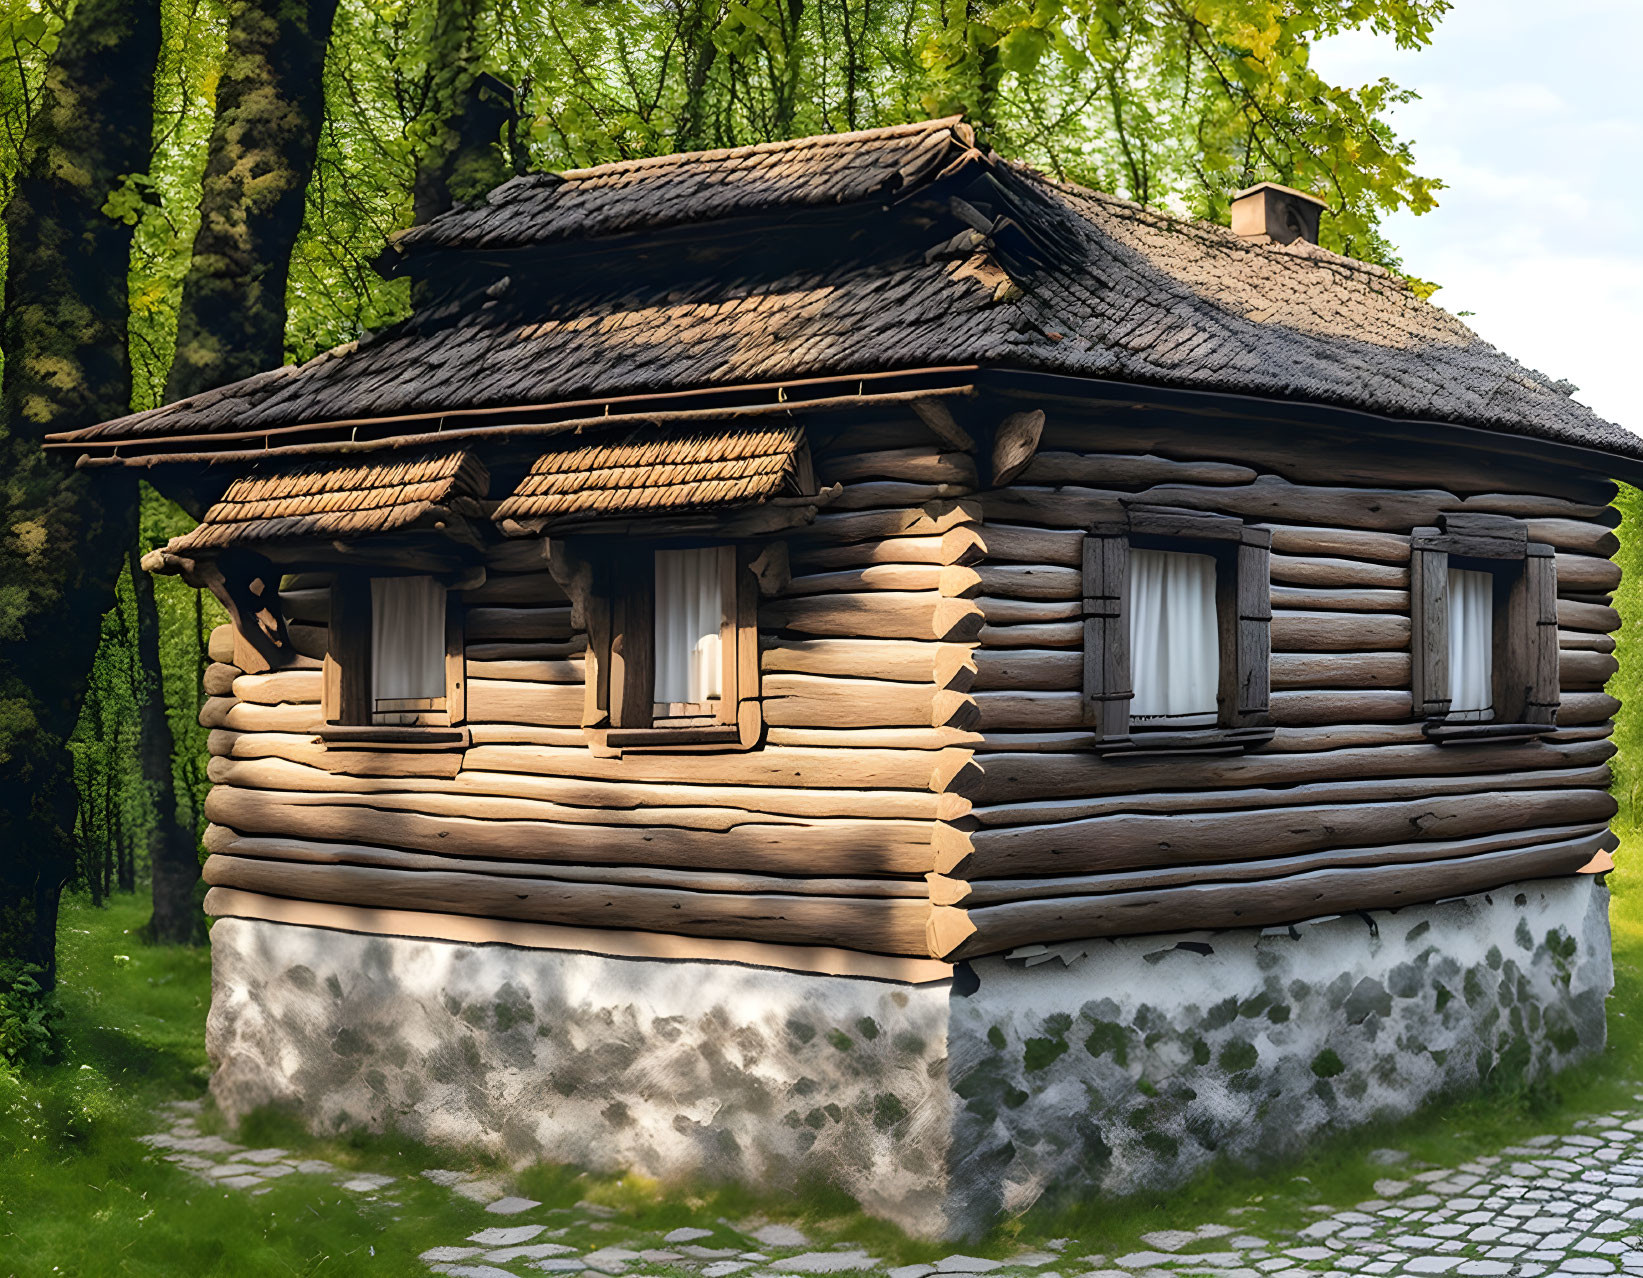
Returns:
point(394, 660)
point(1175, 645)
point(1483, 606)
point(673, 645)
point(1471, 644)
point(1177, 631)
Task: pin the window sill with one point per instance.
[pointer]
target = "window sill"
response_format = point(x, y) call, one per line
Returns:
point(381, 736)
point(1195, 741)
point(1440, 731)
point(695, 734)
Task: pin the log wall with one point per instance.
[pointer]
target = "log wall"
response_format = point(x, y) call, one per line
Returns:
point(923, 786)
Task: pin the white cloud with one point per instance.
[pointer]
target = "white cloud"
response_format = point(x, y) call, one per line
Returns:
point(1527, 112)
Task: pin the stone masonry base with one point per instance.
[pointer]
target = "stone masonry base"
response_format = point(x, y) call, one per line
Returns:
point(1069, 1071)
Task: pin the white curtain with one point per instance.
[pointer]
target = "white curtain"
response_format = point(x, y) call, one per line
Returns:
point(1471, 644)
point(407, 638)
point(1175, 648)
point(689, 611)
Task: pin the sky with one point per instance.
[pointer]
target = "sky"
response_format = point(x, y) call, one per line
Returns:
point(1530, 113)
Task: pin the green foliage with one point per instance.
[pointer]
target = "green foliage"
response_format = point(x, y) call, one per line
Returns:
point(1627, 682)
point(28, 1017)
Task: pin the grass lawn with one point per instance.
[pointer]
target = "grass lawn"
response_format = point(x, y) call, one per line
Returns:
point(79, 1194)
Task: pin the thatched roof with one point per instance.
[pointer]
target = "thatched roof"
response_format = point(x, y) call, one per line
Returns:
point(348, 499)
point(895, 249)
point(649, 472)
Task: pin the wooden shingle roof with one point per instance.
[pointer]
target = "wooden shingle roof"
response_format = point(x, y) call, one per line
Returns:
point(651, 472)
point(325, 500)
point(579, 289)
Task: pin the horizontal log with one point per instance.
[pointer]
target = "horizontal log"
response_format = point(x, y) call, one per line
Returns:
point(1584, 671)
point(867, 760)
point(869, 525)
point(1020, 711)
point(480, 624)
point(1028, 670)
point(223, 841)
point(1387, 670)
point(1574, 536)
point(1057, 634)
point(797, 700)
point(1015, 777)
point(807, 558)
point(875, 924)
point(517, 554)
point(528, 590)
point(889, 576)
point(1338, 574)
point(910, 465)
point(1597, 618)
point(972, 893)
point(1031, 581)
point(905, 660)
point(551, 670)
point(1317, 599)
point(1128, 841)
point(1343, 543)
point(244, 716)
point(219, 677)
point(925, 740)
point(779, 845)
point(309, 641)
point(1393, 510)
point(888, 494)
point(859, 615)
point(312, 605)
point(1119, 470)
point(623, 801)
point(1292, 898)
point(1321, 455)
point(219, 645)
point(1586, 574)
point(1338, 792)
point(519, 651)
point(305, 749)
point(1578, 708)
point(1030, 612)
point(1338, 632)
point(1324, 706)
point(510, 701)
point(281, 687)
point(1575, 639)
point(1021, 544)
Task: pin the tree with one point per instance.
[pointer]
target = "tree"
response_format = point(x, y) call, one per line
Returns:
point(269, 105)
point(63, 328)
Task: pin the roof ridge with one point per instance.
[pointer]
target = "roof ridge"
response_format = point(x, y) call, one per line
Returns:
point(906, 129)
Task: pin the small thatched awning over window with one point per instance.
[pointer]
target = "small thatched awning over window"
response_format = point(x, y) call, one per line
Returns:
point(322, 500)
point(650, 472)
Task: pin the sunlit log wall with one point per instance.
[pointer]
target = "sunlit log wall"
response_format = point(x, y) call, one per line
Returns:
point(924, 786)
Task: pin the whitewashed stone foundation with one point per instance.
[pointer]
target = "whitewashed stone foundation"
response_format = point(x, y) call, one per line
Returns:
point(1068, 1071)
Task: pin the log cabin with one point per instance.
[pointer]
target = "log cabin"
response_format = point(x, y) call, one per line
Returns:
point(851, 658)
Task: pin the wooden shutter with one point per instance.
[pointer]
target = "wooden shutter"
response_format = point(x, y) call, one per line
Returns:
point(1537, 631)
point(1429, 631)
point(1252, 634)
point(633, 638)
point(1106, 635)
point(347, 677)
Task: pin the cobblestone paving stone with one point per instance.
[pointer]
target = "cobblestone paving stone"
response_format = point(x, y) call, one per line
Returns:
point(1551, 1205)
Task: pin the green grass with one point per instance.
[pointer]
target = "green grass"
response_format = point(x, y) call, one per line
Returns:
point(79, 1194)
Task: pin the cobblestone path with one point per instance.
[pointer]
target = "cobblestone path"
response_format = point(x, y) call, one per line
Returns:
point(1550, 1205)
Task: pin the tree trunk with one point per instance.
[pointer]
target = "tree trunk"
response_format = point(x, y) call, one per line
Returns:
point(173, 855)
point(472, 134)
point(63, 329)
point(270, 105)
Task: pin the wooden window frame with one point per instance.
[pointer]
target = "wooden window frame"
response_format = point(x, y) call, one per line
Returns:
point(1525, 659)
point(1243, 607)
point(613, 584)
point(349, 706)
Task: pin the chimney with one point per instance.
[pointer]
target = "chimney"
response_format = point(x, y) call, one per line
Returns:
point(1276, 213)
